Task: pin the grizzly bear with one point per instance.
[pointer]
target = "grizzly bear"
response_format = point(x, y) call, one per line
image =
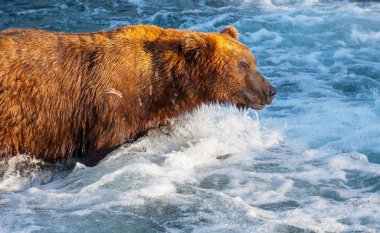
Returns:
point(83, 95)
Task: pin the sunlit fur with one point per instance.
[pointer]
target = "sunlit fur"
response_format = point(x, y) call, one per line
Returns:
point(64, 95)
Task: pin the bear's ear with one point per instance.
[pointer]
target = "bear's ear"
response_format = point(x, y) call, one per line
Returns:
point(192, 44)
point(231, 31)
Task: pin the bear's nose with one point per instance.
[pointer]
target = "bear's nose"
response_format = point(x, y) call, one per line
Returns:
point(272, 92)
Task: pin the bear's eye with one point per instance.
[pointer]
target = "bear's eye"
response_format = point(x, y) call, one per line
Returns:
point(244, 65)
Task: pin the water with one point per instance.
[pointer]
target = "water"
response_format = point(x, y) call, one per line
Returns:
point(308, 163)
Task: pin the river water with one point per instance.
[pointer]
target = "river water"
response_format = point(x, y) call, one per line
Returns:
point(308, 163)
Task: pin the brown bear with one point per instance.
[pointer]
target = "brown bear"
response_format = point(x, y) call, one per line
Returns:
point(64, 95)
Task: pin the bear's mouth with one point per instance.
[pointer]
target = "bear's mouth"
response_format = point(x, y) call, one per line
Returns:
point(245, 100)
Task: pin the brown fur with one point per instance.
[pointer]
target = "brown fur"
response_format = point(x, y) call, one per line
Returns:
point(64, 95)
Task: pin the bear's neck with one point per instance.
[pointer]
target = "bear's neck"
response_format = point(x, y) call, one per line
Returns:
point(175, 85)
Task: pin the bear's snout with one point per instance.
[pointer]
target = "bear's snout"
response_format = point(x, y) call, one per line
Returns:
point(271, 92)
point(267, 91)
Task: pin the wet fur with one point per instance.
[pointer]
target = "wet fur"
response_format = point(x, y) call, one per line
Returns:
point(84, 95)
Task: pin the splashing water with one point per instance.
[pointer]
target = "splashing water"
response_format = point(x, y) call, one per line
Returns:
point(308, 163)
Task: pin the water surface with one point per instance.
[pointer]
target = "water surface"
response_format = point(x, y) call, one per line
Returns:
point(308, 163)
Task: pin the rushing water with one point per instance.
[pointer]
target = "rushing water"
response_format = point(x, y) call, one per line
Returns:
point(308, 163)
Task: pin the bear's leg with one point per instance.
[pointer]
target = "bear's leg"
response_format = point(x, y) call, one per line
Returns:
point(93, 156)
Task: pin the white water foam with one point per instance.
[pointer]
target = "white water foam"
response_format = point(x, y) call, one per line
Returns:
point(227, 158)
point(308, 163)
point(361, 37)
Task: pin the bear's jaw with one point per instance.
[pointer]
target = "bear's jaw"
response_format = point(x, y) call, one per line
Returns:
point(252, 105)
point(256, 106)
point(244, 100)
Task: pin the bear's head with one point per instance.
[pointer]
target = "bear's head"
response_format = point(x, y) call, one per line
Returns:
point(228, 69)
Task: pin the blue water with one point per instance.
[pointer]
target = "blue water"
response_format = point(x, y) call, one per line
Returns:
point(308, 163)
